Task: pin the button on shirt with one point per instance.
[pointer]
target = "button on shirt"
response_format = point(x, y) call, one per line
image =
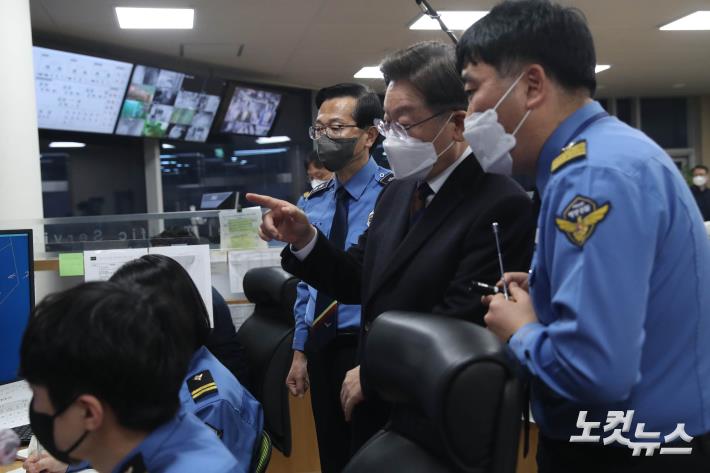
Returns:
point(231, 409)
point(620, 282)
point(184, 444)
point(363, 188)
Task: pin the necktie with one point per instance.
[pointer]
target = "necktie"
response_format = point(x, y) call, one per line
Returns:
point(325, 317)
point(419, 202)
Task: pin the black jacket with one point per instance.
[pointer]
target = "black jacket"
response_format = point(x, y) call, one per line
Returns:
point(428, 268)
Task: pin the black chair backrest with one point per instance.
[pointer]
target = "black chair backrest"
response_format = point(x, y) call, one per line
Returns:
point(267, 336)
point(456, 400)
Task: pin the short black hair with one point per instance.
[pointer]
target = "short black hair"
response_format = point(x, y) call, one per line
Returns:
point(111, 342)
point(163, 275)
point(516, 32)
point(369, 105)
point(700, 166)
point(312, 159)
point(431, 67)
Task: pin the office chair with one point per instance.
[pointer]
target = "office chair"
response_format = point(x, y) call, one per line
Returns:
point(266, 337)
point(456, 404)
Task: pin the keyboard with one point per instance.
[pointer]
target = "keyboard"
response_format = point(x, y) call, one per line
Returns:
point(24, 432)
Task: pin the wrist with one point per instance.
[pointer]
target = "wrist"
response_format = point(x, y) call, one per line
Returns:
point(307, 237)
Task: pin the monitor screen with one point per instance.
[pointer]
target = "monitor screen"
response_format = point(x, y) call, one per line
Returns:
point(218, 200)
point(168, 104)
point(77, 92)
point(251, 112)
point(16, 297)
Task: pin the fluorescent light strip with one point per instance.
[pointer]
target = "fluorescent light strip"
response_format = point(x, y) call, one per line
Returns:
point(155, 18)
point(601, 68)
point(369, 72)
point(258, 152)
point(66, 144)
point(268, 140)
point(455, 20)
point(698, 21)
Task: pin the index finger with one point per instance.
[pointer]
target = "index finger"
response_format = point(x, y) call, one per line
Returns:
point(264, 201)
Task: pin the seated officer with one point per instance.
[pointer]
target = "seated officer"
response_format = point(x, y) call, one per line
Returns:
point(210, 390)
point(105, 365)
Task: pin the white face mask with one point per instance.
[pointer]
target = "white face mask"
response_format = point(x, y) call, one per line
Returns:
point(411, 158)
point(487, 138)
point(316, 182)
point(700, 181)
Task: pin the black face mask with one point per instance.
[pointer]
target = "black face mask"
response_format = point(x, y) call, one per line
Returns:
point(335, 154)
point(43, 428)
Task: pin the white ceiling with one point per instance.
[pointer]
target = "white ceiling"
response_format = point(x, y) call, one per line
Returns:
point(313, 43)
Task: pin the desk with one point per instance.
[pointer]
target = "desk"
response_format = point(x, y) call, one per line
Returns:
point(10, 467)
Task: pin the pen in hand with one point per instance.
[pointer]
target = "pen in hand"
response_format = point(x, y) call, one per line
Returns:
point(496, 234)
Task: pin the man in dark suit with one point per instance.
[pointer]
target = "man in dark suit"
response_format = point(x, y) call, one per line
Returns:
point(430, 235)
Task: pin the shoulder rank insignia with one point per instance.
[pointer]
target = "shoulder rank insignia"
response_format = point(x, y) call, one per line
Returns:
point(580, 218)
point(385, 178)
point(201, 385)
point(134, 465)
point(572, 153)
point(316, 190)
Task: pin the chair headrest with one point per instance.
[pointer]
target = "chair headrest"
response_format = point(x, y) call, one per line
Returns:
point(451, 373)
point(270, 286)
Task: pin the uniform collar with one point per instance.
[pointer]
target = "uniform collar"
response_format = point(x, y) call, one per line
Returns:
point(152, 444)
point(560, 138)
point(358, 183)
point(197, 357)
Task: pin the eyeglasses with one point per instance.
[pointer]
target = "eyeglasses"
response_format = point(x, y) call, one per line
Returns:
point(331, 131)
point(398, 130)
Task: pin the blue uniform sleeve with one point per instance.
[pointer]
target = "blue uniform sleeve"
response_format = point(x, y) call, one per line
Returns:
point(239, 432)
point(300, 334)
point(587, 346)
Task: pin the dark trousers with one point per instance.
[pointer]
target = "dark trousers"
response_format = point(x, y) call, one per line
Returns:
point(556, 456)
point(326, 372)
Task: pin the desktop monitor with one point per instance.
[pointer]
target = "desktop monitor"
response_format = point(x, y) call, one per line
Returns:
point(218, 200)
point(16, 297)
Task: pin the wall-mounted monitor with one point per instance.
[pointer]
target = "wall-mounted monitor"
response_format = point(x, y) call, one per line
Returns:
point(251, 112)
point(76, 92)
point(166, 104)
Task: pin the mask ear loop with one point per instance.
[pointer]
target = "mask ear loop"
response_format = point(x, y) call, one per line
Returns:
point(522, 122)
point(438, 134)
point(510, 89)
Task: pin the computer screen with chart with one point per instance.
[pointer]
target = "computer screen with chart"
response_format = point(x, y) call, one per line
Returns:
point(16, 297)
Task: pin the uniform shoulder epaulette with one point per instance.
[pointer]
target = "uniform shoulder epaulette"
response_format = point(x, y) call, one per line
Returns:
point(570, 154)
point(201, 385)
point(135, 465)
point(316, 190)
point(385, 178)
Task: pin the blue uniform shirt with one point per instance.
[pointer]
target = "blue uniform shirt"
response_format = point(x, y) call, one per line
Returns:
point(620, 282)
point(364, 188)
point(214, 395)
point(181, 445)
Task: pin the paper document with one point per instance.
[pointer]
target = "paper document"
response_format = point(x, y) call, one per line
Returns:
point(195, 259)
point(242, 261)
point(240, 230)
point(14, 404)
point(99, 265)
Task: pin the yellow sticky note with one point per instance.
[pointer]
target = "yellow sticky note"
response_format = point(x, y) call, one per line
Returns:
point(71, 264)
